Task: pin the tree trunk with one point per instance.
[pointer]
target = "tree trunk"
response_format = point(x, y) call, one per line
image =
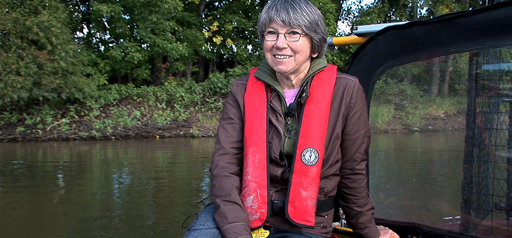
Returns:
point(445, 88)
point(414, 9)
point(189, 70)
point(435, 75)
point(156, 71)
point(200, 7)
point(200, 66)
point(338, 6)
point(212, 67)
point(201, 60)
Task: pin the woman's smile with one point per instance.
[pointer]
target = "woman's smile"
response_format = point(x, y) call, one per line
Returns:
point(282, 56)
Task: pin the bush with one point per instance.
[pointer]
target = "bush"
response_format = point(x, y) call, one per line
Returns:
point(408, 104)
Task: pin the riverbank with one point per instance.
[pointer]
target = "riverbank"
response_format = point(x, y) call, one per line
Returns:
point(453, 122)
point(199, 125)
point(184, 108)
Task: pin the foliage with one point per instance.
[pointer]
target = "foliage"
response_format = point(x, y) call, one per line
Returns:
point(113, 111)
point(135, 38)
point(381, 114)
point(419, 73)
point(385, 11)
point(40, 60)
point(390, 91)
point(95, 68)
point(230, 31)
point(393, 100)
point(144, 42)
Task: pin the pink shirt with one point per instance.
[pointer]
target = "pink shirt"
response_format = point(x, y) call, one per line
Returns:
point(289, 95)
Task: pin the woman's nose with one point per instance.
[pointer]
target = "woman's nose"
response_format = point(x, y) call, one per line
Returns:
point(281, 41)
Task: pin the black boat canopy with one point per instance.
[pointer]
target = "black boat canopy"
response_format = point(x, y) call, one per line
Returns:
point(452, 33)
point(476, 38)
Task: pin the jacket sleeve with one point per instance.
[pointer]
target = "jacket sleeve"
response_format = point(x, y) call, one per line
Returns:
point(226, 167)
point(353, 191)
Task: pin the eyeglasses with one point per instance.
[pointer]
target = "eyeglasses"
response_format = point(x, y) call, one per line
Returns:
point(289, 35)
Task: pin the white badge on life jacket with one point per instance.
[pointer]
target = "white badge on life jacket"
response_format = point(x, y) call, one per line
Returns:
point(309, 156)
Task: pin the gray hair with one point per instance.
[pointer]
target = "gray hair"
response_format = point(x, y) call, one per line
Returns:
point(300, 14)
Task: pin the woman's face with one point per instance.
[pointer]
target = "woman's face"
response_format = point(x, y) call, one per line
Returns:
point(288, 58)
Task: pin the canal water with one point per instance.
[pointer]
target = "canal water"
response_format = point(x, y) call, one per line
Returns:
point(148, 188)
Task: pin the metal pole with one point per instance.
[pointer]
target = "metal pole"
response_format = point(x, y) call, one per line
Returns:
point(508, 206)
point(467, 225)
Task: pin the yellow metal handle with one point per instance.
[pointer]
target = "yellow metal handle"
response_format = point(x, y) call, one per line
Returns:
point(346, 40)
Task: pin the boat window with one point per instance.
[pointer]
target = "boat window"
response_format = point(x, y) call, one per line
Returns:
point(441, 152)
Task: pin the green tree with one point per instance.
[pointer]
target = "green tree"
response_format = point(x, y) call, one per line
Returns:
point(136, 39)
point(231, 35)
point(39, 58)
point(145, 42)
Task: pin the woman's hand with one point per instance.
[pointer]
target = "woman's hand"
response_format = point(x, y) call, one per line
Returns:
point(387, 233)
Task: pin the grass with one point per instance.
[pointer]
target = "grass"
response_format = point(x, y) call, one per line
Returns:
point(387, 114)
point(381, 115)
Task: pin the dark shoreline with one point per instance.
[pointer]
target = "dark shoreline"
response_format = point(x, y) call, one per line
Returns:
point(194, 129)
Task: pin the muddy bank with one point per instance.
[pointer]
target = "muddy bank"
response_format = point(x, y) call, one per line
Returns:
point(455, 122)
point(192, 127)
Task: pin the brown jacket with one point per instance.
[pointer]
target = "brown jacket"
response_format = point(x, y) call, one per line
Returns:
point(343, 170)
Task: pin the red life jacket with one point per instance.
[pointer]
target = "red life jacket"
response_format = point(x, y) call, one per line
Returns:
point(307, 162)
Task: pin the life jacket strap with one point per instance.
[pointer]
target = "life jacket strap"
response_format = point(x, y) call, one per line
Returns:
point(278, 207)
point(326, 205)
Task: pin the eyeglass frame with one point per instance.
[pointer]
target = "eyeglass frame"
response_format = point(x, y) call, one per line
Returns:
point(284, 34)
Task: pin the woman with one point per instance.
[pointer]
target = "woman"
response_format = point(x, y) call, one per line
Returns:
point(292, 140)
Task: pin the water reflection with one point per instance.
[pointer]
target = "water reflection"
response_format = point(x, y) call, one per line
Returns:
point(417, 177)
point(139, 188)
point(147, 188)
